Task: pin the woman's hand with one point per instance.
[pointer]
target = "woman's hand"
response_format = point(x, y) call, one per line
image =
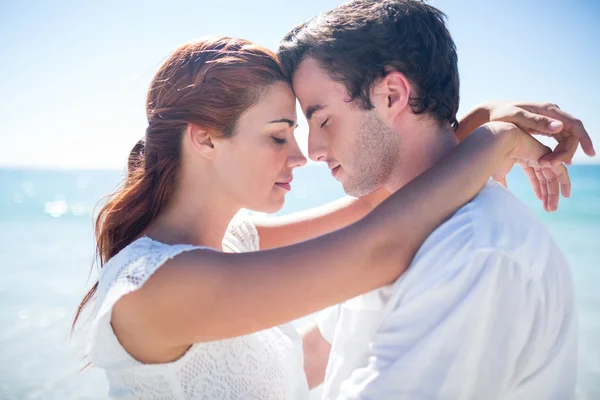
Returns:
point(546, 174)
point(545, 119)
point(548, 180)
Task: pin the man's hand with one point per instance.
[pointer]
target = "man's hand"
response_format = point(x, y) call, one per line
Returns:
point(545, 119)
point(548, 181)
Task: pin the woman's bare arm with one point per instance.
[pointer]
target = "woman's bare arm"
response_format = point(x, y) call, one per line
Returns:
point(308, 224)
point(531, 117)
point(205, 295)
point(536, 118)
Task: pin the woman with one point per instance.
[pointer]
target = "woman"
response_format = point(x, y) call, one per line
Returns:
point(178, 319)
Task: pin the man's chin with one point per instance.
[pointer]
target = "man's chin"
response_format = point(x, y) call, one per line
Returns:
point(352, 186)
point(352, 190)
point(357, 190)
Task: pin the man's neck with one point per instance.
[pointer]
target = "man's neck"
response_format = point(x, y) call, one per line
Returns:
point(424, 147)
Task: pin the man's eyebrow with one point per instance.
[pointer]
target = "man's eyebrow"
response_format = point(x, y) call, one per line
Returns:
point(313, 109)
point(284, 120)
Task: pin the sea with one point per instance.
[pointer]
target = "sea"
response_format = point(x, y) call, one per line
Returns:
point(46, 252)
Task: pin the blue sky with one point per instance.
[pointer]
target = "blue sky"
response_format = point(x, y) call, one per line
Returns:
point(74, 75)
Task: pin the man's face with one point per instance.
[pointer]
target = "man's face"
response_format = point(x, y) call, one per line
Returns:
point(359, 148)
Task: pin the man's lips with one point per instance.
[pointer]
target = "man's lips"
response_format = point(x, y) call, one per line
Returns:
point(335, 170)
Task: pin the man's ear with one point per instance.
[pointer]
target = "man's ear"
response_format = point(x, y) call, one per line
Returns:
point(200, 141)
point(392, 95)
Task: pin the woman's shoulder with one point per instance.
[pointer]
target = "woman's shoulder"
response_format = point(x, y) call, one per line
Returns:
point(135, 263)
point(125, 273)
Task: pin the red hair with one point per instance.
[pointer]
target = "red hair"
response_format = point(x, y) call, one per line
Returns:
point(209, 83)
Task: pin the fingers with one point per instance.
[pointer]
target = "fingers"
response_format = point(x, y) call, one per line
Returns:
point(552, 182)
point(552, 188)
point(563, 153)
point(570, 124)
point(532, 122)
point(543, 186)
point(562, 173)
point(533, 180)
point(548, 182)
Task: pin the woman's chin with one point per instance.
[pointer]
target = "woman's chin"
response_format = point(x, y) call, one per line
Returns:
point(271, 207)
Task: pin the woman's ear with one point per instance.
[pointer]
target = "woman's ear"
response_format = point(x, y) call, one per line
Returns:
point(200, 141)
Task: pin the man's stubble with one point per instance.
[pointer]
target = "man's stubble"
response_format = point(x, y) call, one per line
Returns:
point(375, 155)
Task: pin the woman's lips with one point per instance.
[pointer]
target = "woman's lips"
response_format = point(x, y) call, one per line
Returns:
point(286, 184)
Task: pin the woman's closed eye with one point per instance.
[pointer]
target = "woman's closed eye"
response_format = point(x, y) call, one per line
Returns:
point(324, 123)
point(279, 140)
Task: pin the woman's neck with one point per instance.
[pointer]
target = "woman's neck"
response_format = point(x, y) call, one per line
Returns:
point(197, 214)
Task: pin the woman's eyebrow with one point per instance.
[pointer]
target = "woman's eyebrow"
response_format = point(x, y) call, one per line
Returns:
point(284, 120)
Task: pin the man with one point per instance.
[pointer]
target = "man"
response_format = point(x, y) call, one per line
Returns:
point(486, 309)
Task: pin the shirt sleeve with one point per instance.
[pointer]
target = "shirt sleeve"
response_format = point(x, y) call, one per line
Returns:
point(467, 333)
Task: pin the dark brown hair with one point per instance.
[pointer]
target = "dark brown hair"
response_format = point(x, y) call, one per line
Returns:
point(209, 83)
point(358, 42)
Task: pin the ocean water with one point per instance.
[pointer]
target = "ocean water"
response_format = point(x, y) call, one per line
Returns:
point(46, 249)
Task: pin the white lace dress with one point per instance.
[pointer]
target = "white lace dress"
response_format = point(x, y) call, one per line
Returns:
point(264, 365)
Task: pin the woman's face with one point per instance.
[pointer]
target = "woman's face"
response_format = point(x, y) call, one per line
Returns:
point(255, 165)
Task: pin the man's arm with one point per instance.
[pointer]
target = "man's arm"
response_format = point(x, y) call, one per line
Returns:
point(479, 331)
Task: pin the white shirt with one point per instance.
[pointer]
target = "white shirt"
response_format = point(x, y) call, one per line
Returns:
point(485, 311)
point(261, 365)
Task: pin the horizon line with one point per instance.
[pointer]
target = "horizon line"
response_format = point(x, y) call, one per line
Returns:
point(310, 163)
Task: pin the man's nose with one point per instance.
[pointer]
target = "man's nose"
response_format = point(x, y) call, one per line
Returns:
point(317, 146)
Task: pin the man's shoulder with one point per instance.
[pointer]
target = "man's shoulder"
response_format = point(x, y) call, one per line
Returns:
point(500, 221)
point(494, 219)
point(494, 200)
